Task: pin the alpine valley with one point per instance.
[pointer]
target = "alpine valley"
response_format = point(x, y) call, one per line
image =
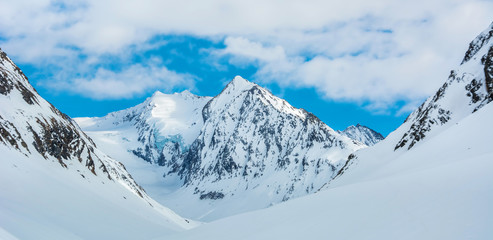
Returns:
point(249, 165)
point(242, 150)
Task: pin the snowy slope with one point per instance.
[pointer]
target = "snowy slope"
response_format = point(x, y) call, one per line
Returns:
point(50, 168)
point(438, 187)
point(41, 200)
point(161, 128)
point(362, 134)
point(467, 89)
point(150, 138)
point(253, 150)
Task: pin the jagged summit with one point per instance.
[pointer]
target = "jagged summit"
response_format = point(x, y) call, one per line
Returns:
point(240, 81)
point(240, 88)
point(236, 86)
point(362, 134)
point(186, 92)
point(159, 95)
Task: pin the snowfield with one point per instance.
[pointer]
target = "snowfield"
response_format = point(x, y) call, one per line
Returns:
point(41, 200)
point(441, 189)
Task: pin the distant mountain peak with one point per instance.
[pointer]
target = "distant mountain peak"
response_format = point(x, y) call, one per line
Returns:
point(186, 93)
point(240, 88)
point(166, 124)
point(238, 84)
point(157, 93)
point(183, 94)
point(240, 80)
point(362, 134)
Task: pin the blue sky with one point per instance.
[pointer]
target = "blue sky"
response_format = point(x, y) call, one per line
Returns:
point(352, 62)
point(185, 54)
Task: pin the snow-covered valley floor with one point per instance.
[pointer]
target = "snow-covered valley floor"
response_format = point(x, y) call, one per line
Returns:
point(442, 189)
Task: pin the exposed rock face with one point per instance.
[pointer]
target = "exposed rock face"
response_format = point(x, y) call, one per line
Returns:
point(253, 140)
point(477, 44)
point(362, 134)
point(31, 125)
point(467, 89)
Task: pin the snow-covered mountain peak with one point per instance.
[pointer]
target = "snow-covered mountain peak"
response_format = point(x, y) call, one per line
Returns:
point(253, 142)
point(187, 93)
point(239, 82)
point(362, 134)
point(157, 93)
point(237, 86)
point(174, 108)
point(166, 124)
point(241, 91)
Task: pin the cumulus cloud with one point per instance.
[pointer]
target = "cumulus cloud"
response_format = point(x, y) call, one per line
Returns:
point(376, 61)
point(380, 51)
point(129, 82)
point(360, 77)
point(251, 51)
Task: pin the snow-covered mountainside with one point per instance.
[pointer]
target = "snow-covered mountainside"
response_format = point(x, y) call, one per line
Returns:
point(362, 134)
point(253, 140)
point(252, 150)
point(48, 163)
point(440, 189)
point(165, 125)
point(433, 186)
point(467, 89)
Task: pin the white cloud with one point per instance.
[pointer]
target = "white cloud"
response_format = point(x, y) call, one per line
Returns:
point(380, 51)
point(132, 81)
point(364, 77)
point(380, 60)
point(252, 51)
